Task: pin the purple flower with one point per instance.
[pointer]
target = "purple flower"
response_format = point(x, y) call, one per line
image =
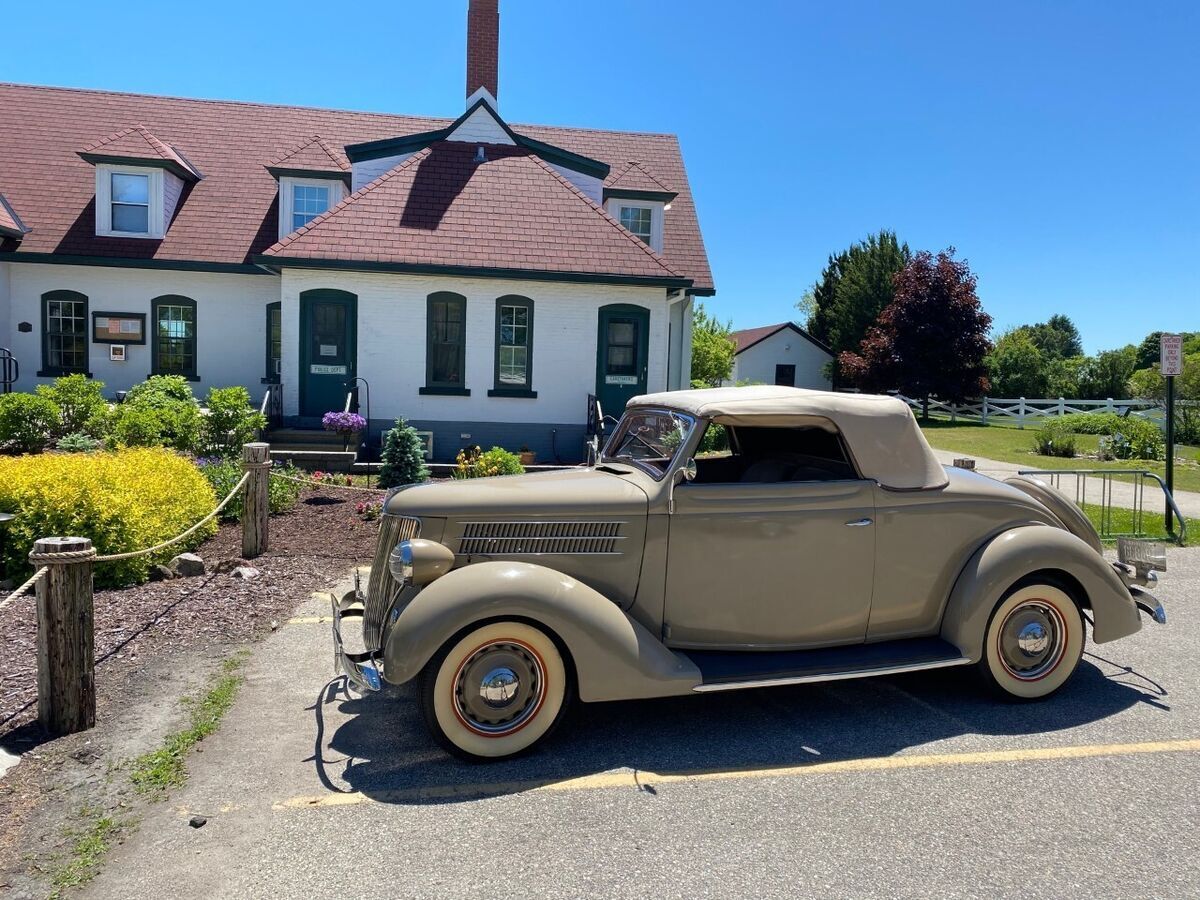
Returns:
point(344, 423)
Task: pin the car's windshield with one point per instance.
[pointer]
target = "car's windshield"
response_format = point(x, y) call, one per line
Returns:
point(650, 438)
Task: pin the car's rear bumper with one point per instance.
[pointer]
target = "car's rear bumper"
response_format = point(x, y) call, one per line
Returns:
point(363, 669)
point(1149, 604)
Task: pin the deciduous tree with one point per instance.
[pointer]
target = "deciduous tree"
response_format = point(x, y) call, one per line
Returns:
point(931, 340)
point(712, 349)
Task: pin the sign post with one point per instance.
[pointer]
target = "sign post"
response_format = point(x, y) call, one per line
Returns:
point(1171, 365)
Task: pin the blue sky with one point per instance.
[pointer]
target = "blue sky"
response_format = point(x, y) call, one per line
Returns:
point(1056, 145)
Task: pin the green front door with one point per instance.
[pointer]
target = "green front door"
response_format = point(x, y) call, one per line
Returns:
point(328, 327)
point(622, 356)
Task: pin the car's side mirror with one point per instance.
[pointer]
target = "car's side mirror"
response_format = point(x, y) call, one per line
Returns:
point(689, 470)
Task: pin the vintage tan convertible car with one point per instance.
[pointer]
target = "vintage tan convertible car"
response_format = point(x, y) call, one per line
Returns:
point(823, 542)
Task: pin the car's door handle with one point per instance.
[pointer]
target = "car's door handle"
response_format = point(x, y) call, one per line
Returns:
point(859, 523)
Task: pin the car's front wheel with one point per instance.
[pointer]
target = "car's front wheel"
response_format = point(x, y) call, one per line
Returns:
point(495, 691)
point(1033, 643)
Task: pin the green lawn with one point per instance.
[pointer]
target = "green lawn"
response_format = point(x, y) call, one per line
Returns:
point(1008, 443)
point(1123, 522)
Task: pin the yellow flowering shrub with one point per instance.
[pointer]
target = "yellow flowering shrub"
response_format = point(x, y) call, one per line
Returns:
point(124, 500)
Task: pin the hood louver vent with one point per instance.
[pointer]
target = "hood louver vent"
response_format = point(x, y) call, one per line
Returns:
point(533, 538)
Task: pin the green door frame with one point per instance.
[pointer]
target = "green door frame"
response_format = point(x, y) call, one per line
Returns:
point(624, 393)
point(307, 300)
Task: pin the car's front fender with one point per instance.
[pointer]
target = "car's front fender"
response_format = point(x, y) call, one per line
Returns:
point(1014, 554)
point(615, 657)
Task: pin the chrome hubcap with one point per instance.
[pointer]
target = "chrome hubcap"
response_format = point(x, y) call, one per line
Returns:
point(1032, 640)
point(499, 688)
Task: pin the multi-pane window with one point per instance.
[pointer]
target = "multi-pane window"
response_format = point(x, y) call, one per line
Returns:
point(308, 202)
point(64, 332)
point(514, 340)
point(174, 336)
point(622, 354)
point(446, 340)
point(637, 219)
point(274, 341)
point(130, 203)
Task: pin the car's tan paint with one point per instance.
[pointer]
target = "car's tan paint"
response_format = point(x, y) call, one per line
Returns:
point(615, 657)
point(1007, 558)
point(1070, 515)
point(430, 560)
point(923, 540)
point(770, 566)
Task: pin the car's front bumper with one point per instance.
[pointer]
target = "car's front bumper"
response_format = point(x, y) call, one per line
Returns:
point(364, 669)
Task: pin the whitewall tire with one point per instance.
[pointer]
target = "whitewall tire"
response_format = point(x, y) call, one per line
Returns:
point(495, 691)
point(1033, 643)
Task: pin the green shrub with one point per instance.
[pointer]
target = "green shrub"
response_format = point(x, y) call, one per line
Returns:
point(128, 500)
point(77, 442)
point(27, 422)
point(715, 440)
point(223, 474)
point(474, 463)
point(176, 425)
point(403, 457)
point(1093, 422)
point(230, 421)
point(1055, 438)
point(158, 390)
point(80, 402)
point(1134, 438)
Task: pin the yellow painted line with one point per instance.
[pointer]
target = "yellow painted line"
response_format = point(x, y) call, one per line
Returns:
point(639, 779)
point(309, 620)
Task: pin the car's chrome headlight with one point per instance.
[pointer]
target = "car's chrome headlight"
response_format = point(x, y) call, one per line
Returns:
point(400, 562)
point(419, 562)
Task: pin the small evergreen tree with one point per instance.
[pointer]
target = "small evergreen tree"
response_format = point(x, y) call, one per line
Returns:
point(403, 457)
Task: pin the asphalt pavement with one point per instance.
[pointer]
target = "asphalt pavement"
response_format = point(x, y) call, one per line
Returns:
point(891, 787)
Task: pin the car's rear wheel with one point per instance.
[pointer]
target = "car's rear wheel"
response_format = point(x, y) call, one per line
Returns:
point(495, 691)
point(1033, 643)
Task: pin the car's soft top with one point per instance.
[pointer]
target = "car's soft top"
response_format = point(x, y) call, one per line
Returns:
point(881, 432)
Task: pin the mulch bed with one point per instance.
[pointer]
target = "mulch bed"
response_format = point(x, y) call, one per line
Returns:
point(313, 546)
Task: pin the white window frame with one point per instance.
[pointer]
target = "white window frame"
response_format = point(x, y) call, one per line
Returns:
point(337, 193)
point(154, 214)
point(615, 204)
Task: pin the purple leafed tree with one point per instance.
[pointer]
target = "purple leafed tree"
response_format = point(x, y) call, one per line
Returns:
point(931, 340)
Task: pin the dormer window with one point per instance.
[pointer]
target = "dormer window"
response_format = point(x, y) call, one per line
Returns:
point(129, 201)
point(303, 199)
point(638, 219)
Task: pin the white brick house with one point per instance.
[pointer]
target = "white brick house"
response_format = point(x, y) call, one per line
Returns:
point(483, 278)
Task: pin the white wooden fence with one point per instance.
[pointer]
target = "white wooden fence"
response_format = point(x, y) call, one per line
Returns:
point(1023, 409)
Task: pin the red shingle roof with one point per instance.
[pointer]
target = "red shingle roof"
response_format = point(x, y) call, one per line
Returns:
point(512, 212)
point(231, 216)
point(138, 143)
point(634, 177)
point(313, 155)
point(748, 337)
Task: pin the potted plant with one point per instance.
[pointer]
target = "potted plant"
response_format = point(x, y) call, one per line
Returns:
point(347, 424)
point(528, 457)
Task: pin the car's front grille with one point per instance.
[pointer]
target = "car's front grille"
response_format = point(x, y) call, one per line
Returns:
point(532, 538)
point(382, 586)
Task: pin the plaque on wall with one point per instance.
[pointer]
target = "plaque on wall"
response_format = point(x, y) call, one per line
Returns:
point(118, 328)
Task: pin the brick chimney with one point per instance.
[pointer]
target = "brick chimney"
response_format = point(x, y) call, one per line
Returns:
point(483, 45)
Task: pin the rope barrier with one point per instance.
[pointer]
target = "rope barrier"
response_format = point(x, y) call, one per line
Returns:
point(23, 588)
point(340, 487)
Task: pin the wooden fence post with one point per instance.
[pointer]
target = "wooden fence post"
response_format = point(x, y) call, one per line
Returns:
point(256, 459)
point(984, 415)
point(66, 648)
point(1021, 413)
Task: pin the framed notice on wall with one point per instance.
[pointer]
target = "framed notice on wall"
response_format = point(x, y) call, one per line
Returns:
point(118, 328)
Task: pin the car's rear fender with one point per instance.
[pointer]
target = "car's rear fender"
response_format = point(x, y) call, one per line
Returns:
point(1020, 552)
point(615, 657)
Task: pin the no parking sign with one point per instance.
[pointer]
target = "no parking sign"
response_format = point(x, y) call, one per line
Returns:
point(1170, 350)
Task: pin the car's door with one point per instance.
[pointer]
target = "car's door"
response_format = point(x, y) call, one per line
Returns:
point(779, 565)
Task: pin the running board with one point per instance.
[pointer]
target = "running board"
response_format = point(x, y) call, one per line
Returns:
point(727, 671)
